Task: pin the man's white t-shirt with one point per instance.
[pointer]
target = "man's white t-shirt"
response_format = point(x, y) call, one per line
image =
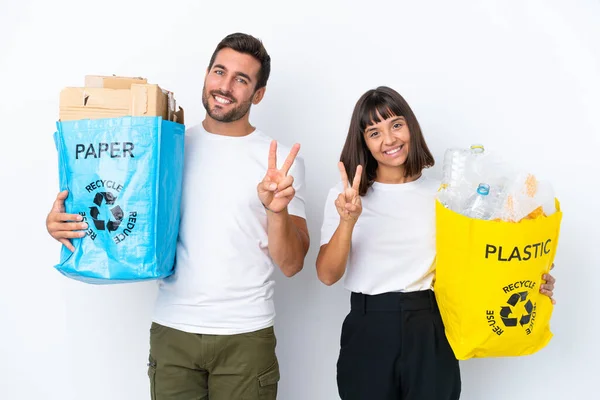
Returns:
point(393, 242)
point(223, 282)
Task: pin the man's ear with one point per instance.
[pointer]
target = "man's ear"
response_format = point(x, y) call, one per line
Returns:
point(258, 95)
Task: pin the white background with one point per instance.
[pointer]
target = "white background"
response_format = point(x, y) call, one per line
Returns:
point(520, 76)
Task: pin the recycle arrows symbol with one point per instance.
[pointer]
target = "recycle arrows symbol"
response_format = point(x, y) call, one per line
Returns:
point(116, 212)
point(504, 313)
point(516, 297)
point(527, 317)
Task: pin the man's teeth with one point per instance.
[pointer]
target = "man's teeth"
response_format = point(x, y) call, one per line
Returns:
point(222, 100)
point(393, 151)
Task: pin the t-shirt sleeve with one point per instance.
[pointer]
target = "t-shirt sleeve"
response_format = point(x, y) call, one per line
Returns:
point(331, 218)
point(297, 206)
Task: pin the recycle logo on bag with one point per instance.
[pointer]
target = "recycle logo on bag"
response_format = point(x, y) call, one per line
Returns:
point(104, 215)
point(517, 311)
point(108, 217)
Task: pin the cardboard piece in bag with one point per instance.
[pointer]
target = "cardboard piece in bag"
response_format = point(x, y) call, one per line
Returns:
point(112, 82)
point(178, 116)
point(95, 103)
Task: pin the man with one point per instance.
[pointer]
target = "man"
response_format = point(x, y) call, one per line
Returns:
point(212, 332)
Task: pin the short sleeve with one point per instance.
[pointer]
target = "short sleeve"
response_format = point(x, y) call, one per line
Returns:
point(331, 218)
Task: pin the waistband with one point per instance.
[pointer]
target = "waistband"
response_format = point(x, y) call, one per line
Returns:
point(394, 301)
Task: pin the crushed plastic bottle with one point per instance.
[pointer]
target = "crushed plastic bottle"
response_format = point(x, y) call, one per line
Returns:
point(461, 169)
point(525, 197)
point(460, 163)
point(480, 205)
point(509, 195)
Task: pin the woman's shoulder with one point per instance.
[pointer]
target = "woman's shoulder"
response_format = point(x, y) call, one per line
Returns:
point(431, 183)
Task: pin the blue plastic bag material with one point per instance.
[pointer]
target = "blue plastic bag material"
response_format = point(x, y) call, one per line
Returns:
point(124, 177)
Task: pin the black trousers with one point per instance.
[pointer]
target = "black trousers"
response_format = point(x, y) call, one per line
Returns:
point(393, 347)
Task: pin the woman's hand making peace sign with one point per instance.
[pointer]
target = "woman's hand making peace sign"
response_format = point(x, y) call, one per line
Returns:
point(348, 203)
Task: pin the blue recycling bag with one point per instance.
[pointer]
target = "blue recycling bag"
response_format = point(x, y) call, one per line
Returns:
point(124, 177)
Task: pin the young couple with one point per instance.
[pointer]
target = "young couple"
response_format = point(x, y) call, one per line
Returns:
point(243, 213)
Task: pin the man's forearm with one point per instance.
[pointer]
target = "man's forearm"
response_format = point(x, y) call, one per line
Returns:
point(288, 244)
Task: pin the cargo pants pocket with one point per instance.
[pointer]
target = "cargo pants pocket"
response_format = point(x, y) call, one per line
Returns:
point(267, 382)
point(152, 377)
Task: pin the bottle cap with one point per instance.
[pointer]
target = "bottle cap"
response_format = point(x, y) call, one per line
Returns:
point(477, 148)
point(483, 189)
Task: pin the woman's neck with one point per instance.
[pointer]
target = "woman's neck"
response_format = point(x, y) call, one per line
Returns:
point(394, 175)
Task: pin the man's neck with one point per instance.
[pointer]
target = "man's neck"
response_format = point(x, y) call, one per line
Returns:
point(239, 128)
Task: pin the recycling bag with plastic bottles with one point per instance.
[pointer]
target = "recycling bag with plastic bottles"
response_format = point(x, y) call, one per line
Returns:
point(488, 275)
point(124, 177)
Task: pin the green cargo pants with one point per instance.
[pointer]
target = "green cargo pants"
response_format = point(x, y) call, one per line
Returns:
point(187, 366)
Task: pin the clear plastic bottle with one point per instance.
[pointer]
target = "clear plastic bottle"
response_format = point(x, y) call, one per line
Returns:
point(461, 174)
point(474, 168)
point(458, 161)
point(480, 205)
point(455, 161)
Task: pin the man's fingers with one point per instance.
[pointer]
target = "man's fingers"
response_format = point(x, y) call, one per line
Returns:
point(268, 186)
point(67, 243)
point(68, 234)
point(343, 174)
point(273, 155)
point(289, 192)
point(285, 183)
point(59, 203)
point(67, 226)
point(357, 178)
point(64, 217)
point(289, 161)
point(62, 195)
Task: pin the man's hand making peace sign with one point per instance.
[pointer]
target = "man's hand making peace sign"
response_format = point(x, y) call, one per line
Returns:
point(288, 234)
point(275, 191)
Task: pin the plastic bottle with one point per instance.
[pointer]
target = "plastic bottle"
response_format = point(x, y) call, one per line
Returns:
point(475, 169)
point(546, 198)
point(458, 161)
point(461, 174)
point(480, 204)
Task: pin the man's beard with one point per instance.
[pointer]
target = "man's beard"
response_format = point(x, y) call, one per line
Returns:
point(235, 114)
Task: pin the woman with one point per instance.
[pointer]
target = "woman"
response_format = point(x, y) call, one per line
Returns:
point(380, 225)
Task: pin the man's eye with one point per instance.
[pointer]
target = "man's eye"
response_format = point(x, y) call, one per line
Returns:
point(240, 80)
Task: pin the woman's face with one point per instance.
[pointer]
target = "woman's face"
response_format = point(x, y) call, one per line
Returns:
point(388, 141)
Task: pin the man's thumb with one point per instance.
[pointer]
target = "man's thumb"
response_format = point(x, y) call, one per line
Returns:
point(60, 200)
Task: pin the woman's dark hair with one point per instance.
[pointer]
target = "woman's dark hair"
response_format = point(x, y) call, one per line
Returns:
point(375, 104)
